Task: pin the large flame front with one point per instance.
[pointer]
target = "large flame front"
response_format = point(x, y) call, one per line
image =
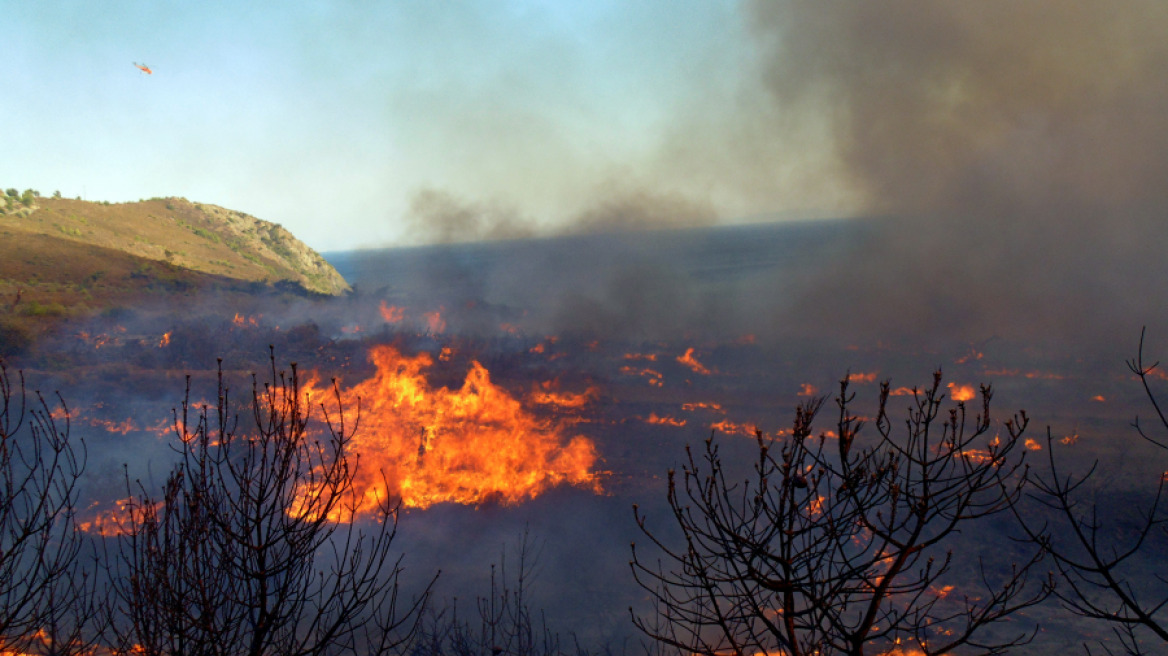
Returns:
point(469, 445)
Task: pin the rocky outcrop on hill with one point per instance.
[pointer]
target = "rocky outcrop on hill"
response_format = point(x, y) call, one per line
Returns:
point(195, 236)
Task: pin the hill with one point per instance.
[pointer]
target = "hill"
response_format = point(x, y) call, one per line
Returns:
point(63, 258)
point(193, 236)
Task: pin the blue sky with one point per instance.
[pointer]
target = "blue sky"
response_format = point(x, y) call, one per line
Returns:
point(332, 117)
point(361, 124)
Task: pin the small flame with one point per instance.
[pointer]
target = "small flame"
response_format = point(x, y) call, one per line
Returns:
point(1032, 444)
point(545, 394)
point(807, 389)
point(862, 377)
point(655, 377)
point(240, 321)
point(703, 405)
point(962, 393)
point(392, 313)
point(690, 361)
point(434, 322)
point(733, 428)
point(165, 341)
point(664, 421)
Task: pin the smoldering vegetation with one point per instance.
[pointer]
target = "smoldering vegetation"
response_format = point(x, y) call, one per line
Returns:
point(1004, 164)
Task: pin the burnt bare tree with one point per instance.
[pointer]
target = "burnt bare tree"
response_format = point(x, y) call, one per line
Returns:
point(46, 592)
point(841, 544)
point(1107, 561)
point(254, 547)
point(503, 622)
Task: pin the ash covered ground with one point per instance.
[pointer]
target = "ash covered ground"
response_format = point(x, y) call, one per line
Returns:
point(637, 345)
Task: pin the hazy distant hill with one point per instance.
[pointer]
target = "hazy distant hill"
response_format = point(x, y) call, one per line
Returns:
point(188, 235)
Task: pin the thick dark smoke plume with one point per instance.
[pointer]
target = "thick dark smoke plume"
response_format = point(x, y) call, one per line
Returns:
point(1022, 146)
point(1014, 156)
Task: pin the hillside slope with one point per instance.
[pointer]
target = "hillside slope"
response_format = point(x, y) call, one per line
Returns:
point(194, 236)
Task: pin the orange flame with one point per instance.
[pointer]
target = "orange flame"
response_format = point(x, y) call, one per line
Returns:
point(690, 361)
point(732, 428)
point(962, 393)
point(165, 341)
point(702, 405)
point(392, 313)
point(115, 521)
point(664, 421)
point(655, 377)
point(434, 322)
point(545, 395)
point(862, 377)
point(241, 321)
point(469, 445)
point(807, 389)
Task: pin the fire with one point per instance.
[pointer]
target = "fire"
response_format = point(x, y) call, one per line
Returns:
point(807, 389)
point(655, 377)
point(115, 521)
point(862, 377)
point(651, 357)
point(962, 393)
point(972, 355)
point(123, 427)
point(1032, 445)
point(1099, 398)
point(941, 591)
point(545, 394)
point(434, 322)
point(690, 361)
point(977, 456)
point(468, 445)
point(165, 341)
point(392, 313)
point(664, 421)
point(241, 321)
point(732, 428)
point(702, 405)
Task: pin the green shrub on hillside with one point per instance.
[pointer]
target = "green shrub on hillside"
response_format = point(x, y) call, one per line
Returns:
point(35, 309)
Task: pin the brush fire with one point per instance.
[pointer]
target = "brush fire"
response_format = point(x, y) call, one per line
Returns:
point(521, 425)
point(469, 445)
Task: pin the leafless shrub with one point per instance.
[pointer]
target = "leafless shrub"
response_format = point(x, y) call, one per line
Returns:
point(1105, 570)
point(841, 550)
point(254, 546)
point(47, 597)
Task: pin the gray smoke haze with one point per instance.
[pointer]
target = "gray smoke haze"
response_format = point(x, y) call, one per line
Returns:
point(441, 217)
point(1015, 153)
point(1024, 147)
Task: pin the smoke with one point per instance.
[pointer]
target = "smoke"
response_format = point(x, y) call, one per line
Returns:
point(1015, 152)
point(441, 217)
point(1023, 146)
point(989, 107)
